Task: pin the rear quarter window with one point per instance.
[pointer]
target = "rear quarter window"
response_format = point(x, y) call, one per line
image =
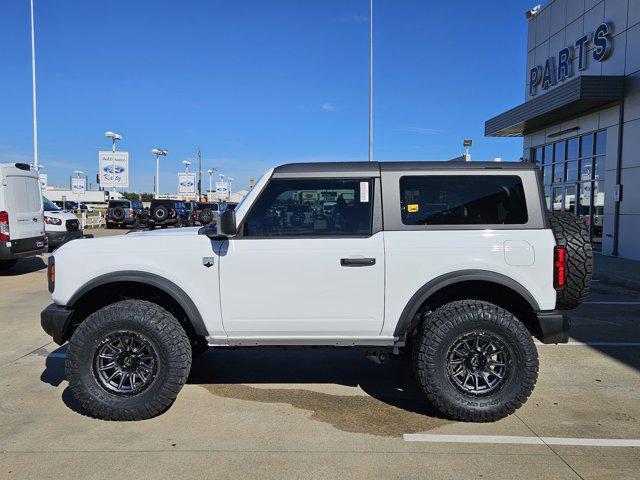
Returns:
point(462, 200)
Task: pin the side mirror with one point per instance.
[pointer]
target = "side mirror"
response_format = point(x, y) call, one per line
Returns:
point(227, 223)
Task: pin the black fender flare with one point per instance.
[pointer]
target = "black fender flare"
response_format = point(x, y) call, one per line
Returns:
point(167, 286)
point(406, 320)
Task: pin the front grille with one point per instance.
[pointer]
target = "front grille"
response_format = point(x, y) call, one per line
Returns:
point(72, 225)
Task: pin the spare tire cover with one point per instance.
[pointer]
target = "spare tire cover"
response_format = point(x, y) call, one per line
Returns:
point(160, 212)
point(570, 232)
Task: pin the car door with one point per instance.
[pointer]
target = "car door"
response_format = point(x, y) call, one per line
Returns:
point(294, 271)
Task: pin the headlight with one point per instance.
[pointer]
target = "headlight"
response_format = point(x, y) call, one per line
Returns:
point(52, 220)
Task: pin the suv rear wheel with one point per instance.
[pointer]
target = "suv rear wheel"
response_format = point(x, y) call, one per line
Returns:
point(475, 361)
point(128, 361)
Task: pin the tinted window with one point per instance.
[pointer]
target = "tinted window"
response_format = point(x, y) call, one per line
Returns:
point(462, 200)
point(295, 208)
point(115, 203)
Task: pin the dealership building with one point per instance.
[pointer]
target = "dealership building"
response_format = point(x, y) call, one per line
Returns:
point(580, 119)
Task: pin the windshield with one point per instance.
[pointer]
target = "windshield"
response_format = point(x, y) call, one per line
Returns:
point(49, 206)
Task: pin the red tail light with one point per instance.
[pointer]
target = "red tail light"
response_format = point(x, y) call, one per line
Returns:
point(131, 212)
point(4, 227)
point(173, 213)
point(559, 267)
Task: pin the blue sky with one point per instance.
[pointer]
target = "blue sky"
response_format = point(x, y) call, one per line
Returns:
point(257, 83)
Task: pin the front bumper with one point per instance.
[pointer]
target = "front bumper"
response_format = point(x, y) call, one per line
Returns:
point(554, 327)
point(58, 238)
point(55, 321)
point(23, 248)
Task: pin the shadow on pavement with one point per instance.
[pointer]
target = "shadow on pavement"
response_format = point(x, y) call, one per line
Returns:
point(24, 266)
point(393, 404)
point(390, 406)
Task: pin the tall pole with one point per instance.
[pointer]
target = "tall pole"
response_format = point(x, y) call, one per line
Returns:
point(113, 165)
point(370, 80)
point(33, 82)
point(157, 175)
point(199, 174)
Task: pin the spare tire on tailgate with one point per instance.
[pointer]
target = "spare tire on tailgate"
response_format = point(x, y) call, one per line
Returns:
point(160, 213)
point(570, 233)
point(118, 214)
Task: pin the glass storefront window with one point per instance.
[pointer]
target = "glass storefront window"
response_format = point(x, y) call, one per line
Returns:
point(559, 151)
point(599, 168)
point(586, 145)
point(547, 196)
point(558, 172)
point(557, 199)
point(601, 142)
point(546, 174)
point(572, 171)
point(572, 148)
point(547, 154)
point(570, 199)
point(586, 168)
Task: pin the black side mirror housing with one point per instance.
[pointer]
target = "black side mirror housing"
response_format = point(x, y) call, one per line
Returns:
point(227, 223)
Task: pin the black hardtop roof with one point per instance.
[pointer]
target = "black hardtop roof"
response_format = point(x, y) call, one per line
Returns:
point(374, 168)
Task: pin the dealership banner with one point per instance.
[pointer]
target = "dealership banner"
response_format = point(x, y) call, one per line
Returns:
point(106, 166)
point(222, 190)
point(187, 183)
point(79, 185)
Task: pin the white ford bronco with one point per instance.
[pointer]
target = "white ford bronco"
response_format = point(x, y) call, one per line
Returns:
point(457, 264)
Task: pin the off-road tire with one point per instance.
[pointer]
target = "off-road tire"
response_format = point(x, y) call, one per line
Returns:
point(7, 264)
point(118, 214)
point(443, 328)
point(570, 233)
point(163, 332)
point(206, 217)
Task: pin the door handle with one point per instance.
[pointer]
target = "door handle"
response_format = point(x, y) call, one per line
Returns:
point(357, 262)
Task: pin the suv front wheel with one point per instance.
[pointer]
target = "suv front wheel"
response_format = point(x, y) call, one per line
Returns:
point(475, 361)
point(128, 361)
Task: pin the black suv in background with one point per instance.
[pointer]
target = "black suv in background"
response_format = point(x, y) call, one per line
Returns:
point(205, 212)
point(164, 213)
point(123, 213)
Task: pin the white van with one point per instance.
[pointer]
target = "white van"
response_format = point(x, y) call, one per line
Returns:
point(21, 218)
point(60, 226)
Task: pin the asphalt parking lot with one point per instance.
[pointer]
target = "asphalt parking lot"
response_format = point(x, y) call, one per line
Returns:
point(323, 413)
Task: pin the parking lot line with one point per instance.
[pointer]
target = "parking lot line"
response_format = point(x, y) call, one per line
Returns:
point(589, 344)
point(611, 303)
point(519, 440)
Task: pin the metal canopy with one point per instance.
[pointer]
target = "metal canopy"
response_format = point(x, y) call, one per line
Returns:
point(574, 98)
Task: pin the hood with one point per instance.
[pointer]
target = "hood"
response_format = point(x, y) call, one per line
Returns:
point(168, 232)
point(60, 214)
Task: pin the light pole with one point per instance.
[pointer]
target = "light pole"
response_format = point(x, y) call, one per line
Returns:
point(467, 144)
point(210, 172)
point(230, 180)
point(186, 164)
point(158, 152)
point(114, 138)
point(371, 80)
point(221, 176)
point(36, 165)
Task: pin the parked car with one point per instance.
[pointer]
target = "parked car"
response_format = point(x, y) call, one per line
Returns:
point(165, 213)
point(125, 213)
point(205, 212)
point(59, 226)
point(21, 219)
point(460, 289)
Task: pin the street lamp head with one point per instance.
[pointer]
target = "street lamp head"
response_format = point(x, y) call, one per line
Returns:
point(113, 136)
point(79, 172)
point(158, 151)
point(186, 162)
point(210, 172)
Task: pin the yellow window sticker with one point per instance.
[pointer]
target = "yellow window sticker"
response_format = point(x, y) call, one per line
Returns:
point(413, 208)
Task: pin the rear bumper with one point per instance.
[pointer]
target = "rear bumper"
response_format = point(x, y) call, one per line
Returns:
point(55, 321)
point(554, 326)
point(23, 248)
point(58, 238)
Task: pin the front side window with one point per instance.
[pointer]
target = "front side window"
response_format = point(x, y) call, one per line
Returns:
point(311, 207)
point(463, 200)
